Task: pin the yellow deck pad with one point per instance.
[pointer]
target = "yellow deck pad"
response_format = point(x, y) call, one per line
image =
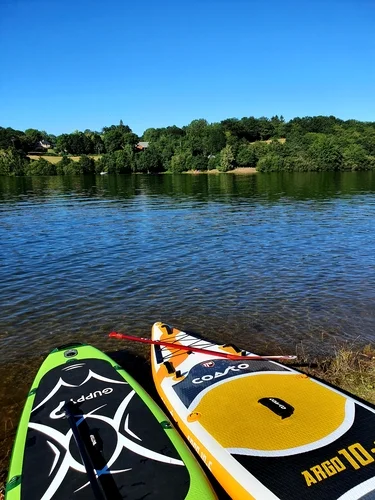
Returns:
point(231, 413)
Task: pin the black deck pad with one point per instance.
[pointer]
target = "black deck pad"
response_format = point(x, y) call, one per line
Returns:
point(127, 445)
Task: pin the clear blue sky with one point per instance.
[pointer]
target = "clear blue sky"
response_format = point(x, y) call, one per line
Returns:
point(67, 65)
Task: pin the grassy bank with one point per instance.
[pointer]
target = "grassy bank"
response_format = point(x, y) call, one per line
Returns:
point(56, 159)
point(351, 369)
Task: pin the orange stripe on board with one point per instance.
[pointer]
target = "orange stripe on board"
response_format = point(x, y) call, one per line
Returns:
point(233, 488)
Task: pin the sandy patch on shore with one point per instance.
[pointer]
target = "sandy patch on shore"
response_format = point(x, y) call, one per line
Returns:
point(243, 170)
point(239, 170)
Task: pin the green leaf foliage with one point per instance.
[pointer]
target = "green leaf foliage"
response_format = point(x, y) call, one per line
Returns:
point(40, 167)
point(310, 143)
point(85, 165)
point(326, 154)
point(149, 161)
point(63, 165)
point(355, 157)
point(226, 159)
point(12, 162)
point(180, 162)
point(271, 162)
point(246, 156)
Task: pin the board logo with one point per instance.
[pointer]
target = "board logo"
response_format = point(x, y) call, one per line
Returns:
point(226, 373)
point(58, 412)
point(208, 364)
point(278, 406)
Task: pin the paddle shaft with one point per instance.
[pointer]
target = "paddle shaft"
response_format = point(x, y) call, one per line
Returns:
point(97, 488)
point(227, 355)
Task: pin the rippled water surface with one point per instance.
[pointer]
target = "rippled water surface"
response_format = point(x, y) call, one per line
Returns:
point(276, 262)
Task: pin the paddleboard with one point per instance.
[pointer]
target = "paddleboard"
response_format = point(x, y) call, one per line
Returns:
point(265, 430)
point(88, 430)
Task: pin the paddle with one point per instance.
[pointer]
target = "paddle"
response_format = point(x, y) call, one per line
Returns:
point(227, 355)
point(97, 488)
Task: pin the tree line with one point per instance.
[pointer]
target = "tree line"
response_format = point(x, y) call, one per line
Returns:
point(318, 143)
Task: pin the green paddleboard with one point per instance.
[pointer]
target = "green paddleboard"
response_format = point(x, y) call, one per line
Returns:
point(89, 430)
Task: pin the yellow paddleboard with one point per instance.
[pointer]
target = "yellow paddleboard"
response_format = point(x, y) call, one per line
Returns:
point(264, 430)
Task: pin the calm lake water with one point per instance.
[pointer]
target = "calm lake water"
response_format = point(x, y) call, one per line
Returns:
point(276, 262)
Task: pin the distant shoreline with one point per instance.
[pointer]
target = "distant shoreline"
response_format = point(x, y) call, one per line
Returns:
point(238, 170)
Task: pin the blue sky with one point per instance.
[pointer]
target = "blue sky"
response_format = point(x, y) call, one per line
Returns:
point(68, 65)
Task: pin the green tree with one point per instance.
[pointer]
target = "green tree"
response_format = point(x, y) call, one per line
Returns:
point(5, 168)
point(61, 145)
point(214, 140)
point(249, 129)
point(40, 167)
point(271, 162)
point(12, 162)
point(213, 162)
point(355, 157)
point(116, 137)
point(196, 137)
point(199, 163)
point(107, 163)
point(367, 139)
point(278, 124)
point(121, 127)
point(10, 138)
point(166, 145)
point(180, 162)
point(113, 140)
point(85, 165)
point(326, 154)
point(266, 128)
point(246, 156)
point(63, 166)
point(298, 163)
point(98, 144)
point(76, 144)
point(125, 160)
point(233, 141)
point(226, 159)
point(260, 149)
point(32, 136)
point(233, 127)
point(149, 161)
point(71, 168)
point(151, 135)
point(130, 139)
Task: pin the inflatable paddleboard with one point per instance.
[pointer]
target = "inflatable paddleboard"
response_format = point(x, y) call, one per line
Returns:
point(264, 430)
point(89, 431)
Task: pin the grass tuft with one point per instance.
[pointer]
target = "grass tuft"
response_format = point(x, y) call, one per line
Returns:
point(353, 370)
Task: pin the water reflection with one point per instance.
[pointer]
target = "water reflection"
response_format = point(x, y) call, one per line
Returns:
point(272, 261)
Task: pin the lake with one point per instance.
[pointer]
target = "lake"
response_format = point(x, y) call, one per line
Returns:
point(274, 262)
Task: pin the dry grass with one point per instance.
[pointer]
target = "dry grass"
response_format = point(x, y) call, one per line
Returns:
point(238, 170)
point(243, 170)
point(56, 159)
point(350, 369)
point(281, 140)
